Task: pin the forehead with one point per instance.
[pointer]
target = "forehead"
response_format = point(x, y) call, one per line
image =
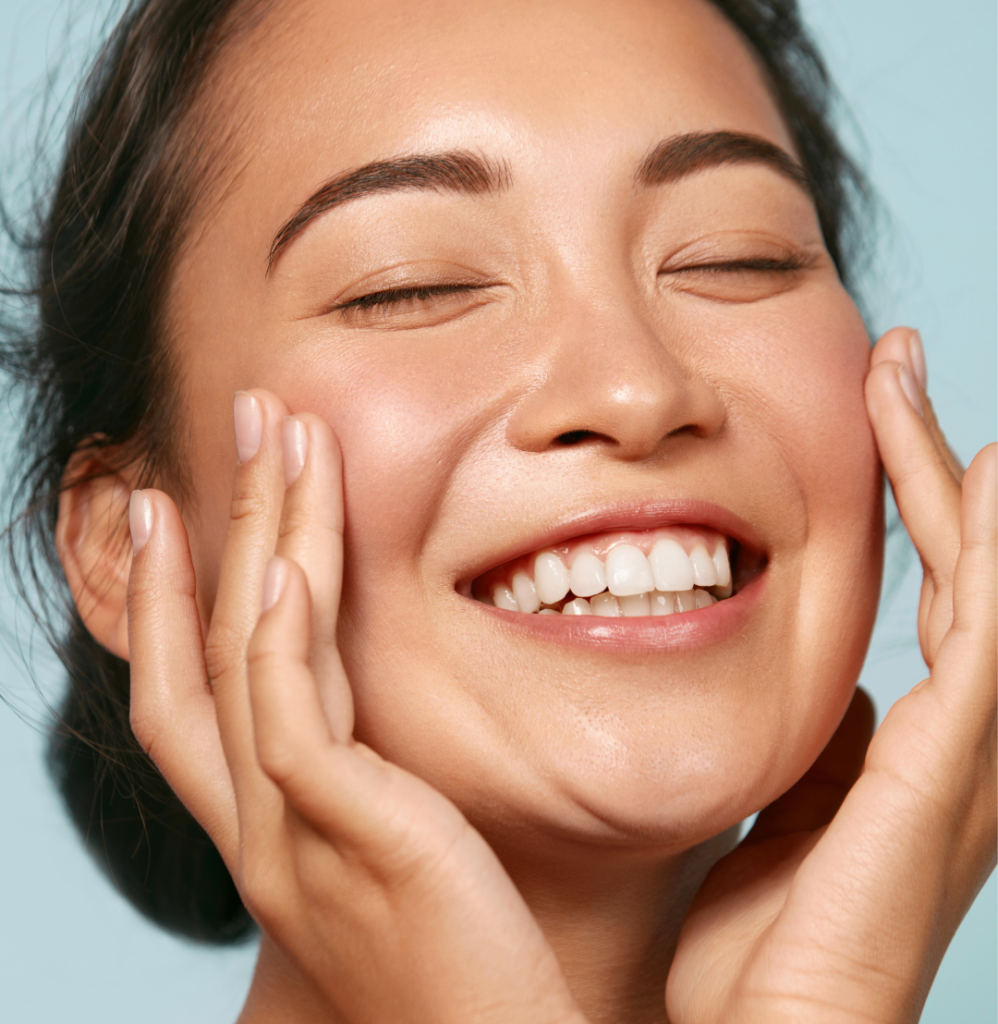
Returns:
point(324, 85)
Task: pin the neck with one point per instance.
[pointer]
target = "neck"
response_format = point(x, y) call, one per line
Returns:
point(612, 920)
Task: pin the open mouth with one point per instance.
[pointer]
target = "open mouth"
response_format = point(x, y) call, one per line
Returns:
point(657, 572)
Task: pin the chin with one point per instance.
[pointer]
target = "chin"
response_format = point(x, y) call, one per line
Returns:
point(593, 787)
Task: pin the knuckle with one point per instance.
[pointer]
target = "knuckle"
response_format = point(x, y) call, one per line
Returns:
point(279, 759)
point(294, 519)
point(260, 884)
point(179, 576)
point(265, 652)
point(403, 851)
point(224, 652)
point(260, 657)
point(246, 504)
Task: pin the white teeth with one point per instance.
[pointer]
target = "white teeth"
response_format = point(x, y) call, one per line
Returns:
point(704, 572)
point(722, 565)
point(606, 605)
point(550, 577)
point(634, 605)
point(625, 583)
point(525, 593)
point(588, 576)
point(502, 597)
point(671, 566)
point(628, 571)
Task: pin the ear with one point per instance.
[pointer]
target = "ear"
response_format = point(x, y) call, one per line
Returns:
point(95, 549)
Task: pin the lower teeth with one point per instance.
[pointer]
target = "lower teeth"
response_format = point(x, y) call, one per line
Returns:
point(606, 605)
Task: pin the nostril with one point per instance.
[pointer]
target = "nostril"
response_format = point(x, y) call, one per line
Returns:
point(572, 437)
point(693, 429)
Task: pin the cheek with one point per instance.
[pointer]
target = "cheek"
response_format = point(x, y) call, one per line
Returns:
point(403, 436)
point(808, 368)
point(820, 422)
point(813, 411)
point(800, 391)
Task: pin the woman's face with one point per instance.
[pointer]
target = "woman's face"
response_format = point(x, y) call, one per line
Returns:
point(606, 348)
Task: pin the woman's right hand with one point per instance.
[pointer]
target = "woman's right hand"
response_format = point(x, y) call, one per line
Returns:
point(371, 884)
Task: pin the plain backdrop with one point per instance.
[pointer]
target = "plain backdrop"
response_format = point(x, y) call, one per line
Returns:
point(919, 80)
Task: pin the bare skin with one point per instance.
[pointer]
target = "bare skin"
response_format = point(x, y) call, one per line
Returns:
point(394, 772)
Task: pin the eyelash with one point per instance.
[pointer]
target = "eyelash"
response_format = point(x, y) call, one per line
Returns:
point(785, 264)
point(393, 296)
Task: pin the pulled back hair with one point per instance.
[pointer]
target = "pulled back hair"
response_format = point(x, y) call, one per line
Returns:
point(93, 366)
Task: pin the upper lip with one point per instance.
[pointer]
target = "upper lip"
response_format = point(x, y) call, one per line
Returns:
point(624, 516)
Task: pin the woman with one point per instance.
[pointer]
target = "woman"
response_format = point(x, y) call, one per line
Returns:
point(510, 298)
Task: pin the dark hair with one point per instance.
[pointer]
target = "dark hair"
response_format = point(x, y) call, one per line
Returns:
point(143, 151)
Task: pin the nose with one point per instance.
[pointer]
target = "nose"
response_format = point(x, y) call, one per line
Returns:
point(607, 376)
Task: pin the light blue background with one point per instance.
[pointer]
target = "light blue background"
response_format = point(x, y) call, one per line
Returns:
point(919, 77)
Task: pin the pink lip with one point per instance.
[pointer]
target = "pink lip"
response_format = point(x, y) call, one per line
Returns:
point(640, 635)
point(626, 517)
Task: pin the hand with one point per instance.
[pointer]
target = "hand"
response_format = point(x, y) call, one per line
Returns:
point(369, 882)
point(841, 901)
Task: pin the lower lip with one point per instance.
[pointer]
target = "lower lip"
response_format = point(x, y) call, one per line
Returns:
point(641, 634)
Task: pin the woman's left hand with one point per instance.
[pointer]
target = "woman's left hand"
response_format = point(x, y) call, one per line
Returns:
point(841, 901)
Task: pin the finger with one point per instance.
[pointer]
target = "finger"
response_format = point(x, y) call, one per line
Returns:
point(904, 345)
point(927, 495)
point(950, 457)
point(311, 534)
point(255, 510)
point(816, 798)
point(327, 782)
point(288, 721)
point(967, 657)
point(171, 706)
point(975, 586)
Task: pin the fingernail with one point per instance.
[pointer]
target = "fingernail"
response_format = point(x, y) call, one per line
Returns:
point(916, 355)
point(139, 519)
point(295, 444)
point(273, 582)
point(907, 383)
point(249, 425)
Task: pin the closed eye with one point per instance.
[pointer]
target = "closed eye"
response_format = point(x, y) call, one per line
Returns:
point(747, 279)
point(408, 307)
point(784, 264)
point(397, 296)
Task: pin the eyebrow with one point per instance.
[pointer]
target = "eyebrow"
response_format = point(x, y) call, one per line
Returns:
point(687, 154)
point(458, 171)
point(466, 173)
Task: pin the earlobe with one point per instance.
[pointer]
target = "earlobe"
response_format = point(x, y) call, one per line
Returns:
point(96, 555)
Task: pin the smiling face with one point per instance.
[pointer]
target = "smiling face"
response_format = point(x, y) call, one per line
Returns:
point(575, 330)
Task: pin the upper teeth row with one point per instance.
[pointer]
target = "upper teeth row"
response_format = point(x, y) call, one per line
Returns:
point(627, 572)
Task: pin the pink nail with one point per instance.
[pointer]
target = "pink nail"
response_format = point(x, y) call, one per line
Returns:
point(907, 383)
point(916, 354)
point(248, 420)
point(295, 444)
point(273, 582)
point(139, 519)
